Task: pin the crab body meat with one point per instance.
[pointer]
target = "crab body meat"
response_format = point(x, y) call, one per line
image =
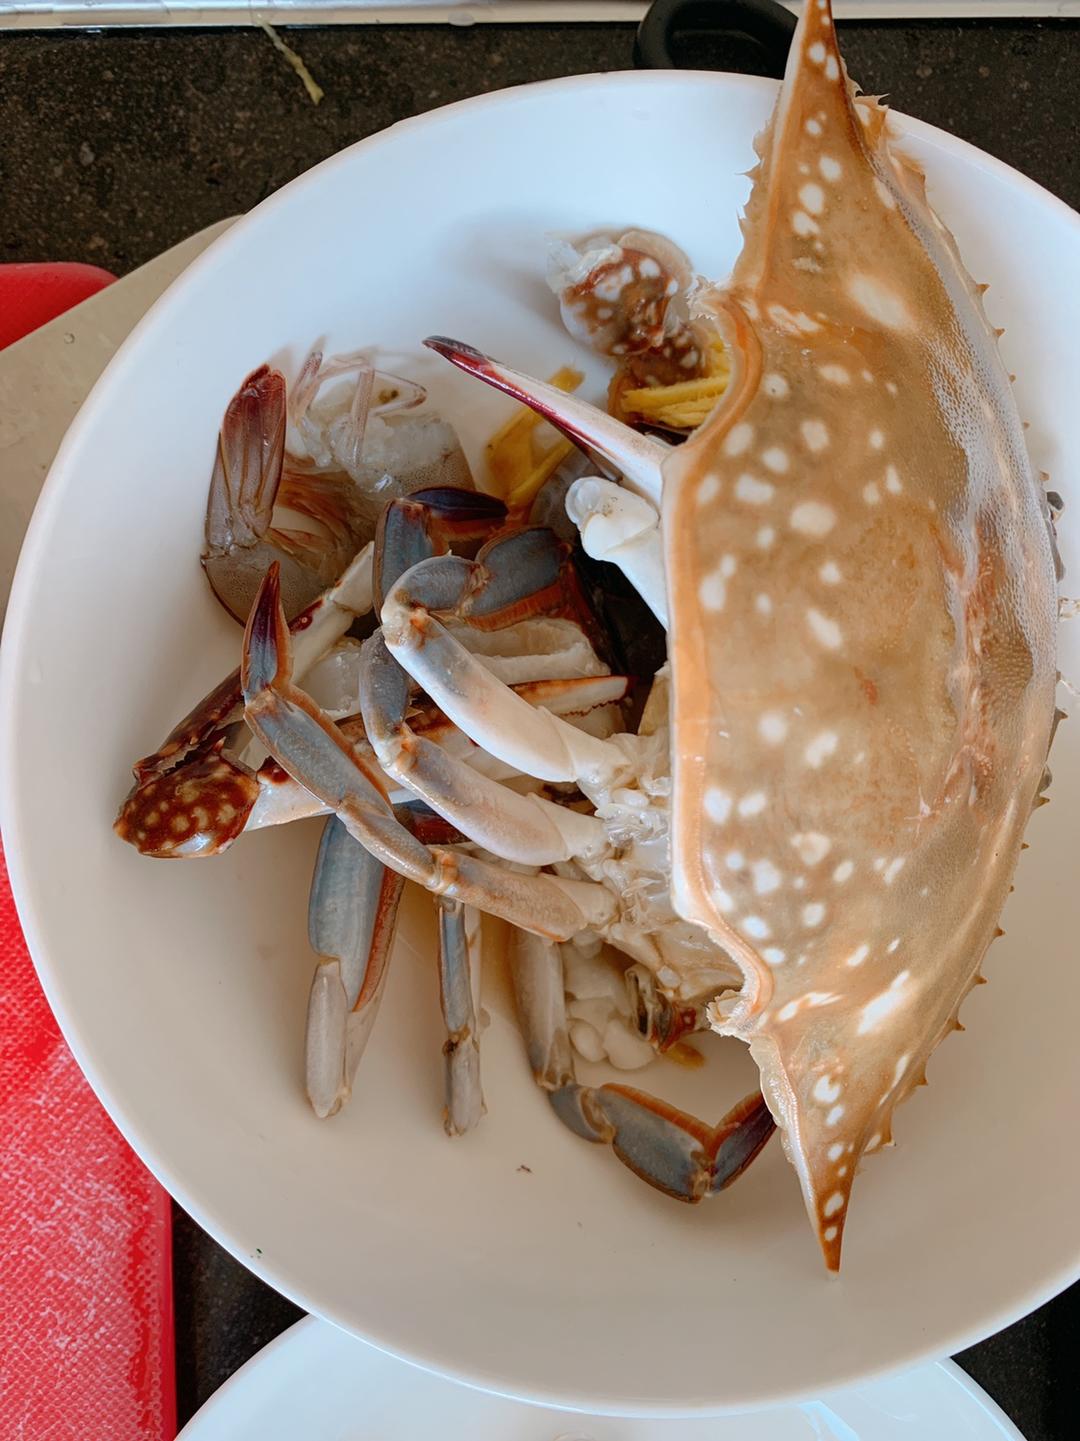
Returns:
point(633, 803)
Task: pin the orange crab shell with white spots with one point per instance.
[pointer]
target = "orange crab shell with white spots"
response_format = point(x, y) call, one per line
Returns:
point(863, 604)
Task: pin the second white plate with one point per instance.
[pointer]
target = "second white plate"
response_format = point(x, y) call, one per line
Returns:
point(315, 1383)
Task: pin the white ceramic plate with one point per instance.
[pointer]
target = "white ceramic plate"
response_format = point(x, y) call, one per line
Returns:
point(315, 1383)
point(182, 986)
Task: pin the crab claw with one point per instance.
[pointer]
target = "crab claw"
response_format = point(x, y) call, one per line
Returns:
point(637, 458)
point(431, 522)
point(196, 810)
point(267, 655)
point(676, 1153)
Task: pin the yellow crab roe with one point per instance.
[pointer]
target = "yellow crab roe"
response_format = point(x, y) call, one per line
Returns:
point(518, 462)
point(687, 403)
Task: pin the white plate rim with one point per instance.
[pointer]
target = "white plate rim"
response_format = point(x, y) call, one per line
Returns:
point(12, 642)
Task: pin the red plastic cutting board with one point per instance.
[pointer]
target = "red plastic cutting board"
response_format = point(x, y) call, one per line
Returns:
point(86, 1328)
point(86, 1323)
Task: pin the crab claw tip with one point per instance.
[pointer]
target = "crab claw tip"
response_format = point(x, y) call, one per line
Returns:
point(266, 638)
point(467, 358)
point(454, 350)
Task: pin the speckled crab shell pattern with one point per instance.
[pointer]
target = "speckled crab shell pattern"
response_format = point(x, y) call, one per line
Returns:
point(862, 589)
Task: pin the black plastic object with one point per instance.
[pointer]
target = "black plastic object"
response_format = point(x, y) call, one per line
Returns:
point(756, 32)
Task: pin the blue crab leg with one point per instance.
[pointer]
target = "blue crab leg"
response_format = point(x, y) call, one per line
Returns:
point(459, 986)
point(351, 923)
point(637, 458)
point(491, 591)
point(351, 918)
point(461, 1053)
point(308, 745)
point(674, 1152)
point(523, 828)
